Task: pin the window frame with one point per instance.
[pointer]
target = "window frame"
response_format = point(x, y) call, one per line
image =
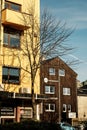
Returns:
point(8, 5)
point(7, 76)
point(49, 88)
point(51, 71)
point(66, 91)
point(61, 72)
point(64, 107)
point(26, 112)
point(49, 105)
point(9, 34)
point(69, 107)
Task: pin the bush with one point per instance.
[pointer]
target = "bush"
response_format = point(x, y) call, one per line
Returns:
point(30, 125)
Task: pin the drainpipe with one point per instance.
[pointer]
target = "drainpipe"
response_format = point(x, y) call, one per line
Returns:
point(0, 42)
point(0, 19)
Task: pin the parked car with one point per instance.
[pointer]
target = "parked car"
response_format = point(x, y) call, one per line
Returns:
point(65, 126)
point(80, 127)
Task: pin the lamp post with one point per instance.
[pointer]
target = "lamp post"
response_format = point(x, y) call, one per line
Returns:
point(46, 80)
point(0, 18)
point(61, 72)
point(0, 43)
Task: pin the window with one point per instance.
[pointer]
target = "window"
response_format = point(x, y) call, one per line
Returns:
point(66, 91)
point(10, 75)
point(12, 6)
point(50, 107)
point(61, 72)
point(26, 112)
point(64, 107)
point(51, 71)
point(69, 108)
point(11, 37)
point(49, 89)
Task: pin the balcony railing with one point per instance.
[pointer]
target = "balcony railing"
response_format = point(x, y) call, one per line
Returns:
point(15, 19)
point(5, 95)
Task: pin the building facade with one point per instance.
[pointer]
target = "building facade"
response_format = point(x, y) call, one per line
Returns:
point(58, 82)
point(16, 29)
point(82, 98)
point(16, 21)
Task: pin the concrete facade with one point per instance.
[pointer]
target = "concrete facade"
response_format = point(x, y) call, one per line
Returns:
point(17, 19)
point(82, 107)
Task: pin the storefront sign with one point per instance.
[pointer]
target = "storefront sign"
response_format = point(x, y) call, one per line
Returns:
point(7, 111)
point(72, 114)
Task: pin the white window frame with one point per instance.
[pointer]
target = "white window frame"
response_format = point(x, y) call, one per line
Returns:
point(69, 107)
point(64, 107)
point(26, 112)
point(66, 91)
point(51, 71)
point(61, 72)
point(48, 89)
point(49, 107)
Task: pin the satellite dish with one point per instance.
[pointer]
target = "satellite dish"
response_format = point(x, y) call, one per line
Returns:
point(45, 80)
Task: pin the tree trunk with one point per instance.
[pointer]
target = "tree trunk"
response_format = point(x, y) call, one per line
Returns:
point(33, 102)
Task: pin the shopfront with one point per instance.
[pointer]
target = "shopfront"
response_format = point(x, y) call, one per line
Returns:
point(16, 107)
point(7, 115)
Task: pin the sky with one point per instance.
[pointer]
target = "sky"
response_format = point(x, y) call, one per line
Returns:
point(74, 13)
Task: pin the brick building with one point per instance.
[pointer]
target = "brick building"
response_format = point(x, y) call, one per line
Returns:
point(58, 82)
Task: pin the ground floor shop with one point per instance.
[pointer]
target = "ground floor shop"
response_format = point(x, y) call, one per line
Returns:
point(16, 107)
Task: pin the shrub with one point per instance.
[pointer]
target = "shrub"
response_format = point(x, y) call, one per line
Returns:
point(30, 125)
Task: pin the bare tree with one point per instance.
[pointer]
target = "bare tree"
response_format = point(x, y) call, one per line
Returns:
point(53, 35)
point(43, 40)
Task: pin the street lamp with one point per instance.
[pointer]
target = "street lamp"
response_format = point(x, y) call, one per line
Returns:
point(60, 73)
point(46, 80)
point(0, 42)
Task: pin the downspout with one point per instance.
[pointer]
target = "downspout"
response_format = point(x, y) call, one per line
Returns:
point(0, 43)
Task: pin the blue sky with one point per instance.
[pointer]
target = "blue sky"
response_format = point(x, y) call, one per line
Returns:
point(74, 13)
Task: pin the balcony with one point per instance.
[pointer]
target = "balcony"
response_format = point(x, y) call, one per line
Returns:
point(15, 19)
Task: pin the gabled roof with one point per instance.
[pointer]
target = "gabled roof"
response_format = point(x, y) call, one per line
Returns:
point(82, 91)
point(58, 59)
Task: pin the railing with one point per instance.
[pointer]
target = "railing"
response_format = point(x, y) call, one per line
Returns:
point(21, 95)
point(5, 94)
